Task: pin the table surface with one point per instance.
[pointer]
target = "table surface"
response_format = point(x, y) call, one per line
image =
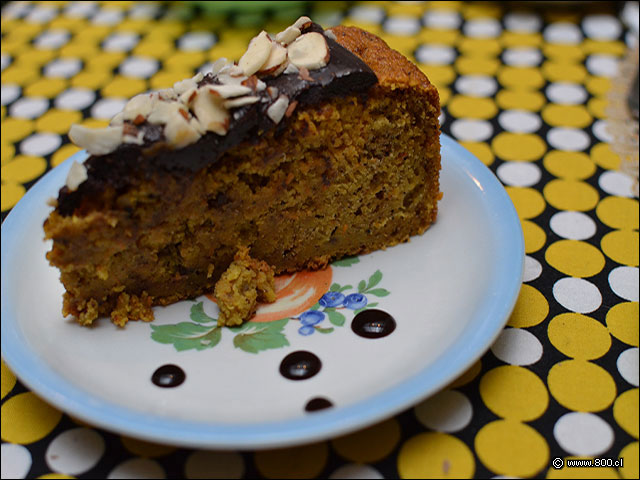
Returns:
point(525, 91)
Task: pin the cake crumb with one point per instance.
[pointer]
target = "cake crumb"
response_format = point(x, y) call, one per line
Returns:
point(246, 282)
point(132, 307)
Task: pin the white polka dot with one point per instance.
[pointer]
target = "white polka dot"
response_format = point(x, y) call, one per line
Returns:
point(137, 468)
point(8, 93)
point(41, 14)
point(144, 11)
point(106, 108)
point(435, 54)
point(40, 144)
point(210, 464)
point(602, 65)
point(631, 39)
point(107, 17)
point(522, 57)
point(573, 225)
point(583, 434)
point(471, 130)
point(63, 67)
point(476, 85)
point(570, 139)
point(75, 99)
point(402, 25)
point(561, 32)
point(196, 41)
point(5, 61)
point(447, 411)
point(631, 16)
point(602, 27)
point(29, 107)
point(52, 39)
point(628, 366)
point(532, 269)
point(139, 67)
point(516, 346)
point(519, 121)
point(519, 174)
point(444, 19)
point(482, 28)
point(355, 471)
point(75, 451)
point(120, 42)
point(566, 93)
point(577, 294)
point(16, 459)
point(367, 14)
point(600, 130)
point(80, 9)
point(524, 22)
point(617, 183)
point(624, 282)
point(16, 10)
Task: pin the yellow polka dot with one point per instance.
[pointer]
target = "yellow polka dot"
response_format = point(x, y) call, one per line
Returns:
point(105, 61)
point(167, 79)
point(520, 100)
point(571, 165)
point(68, 23)
point(133, 25)
point(579, 336)
point(534, 236)
point(25, 31)
point(58, 121)
point(630, 455)
point(91, 79)
point(468, 376)
point(124, 87)
point(63, 153)
point(11, 194)
point(622, 322)
point(531, 308)
point(625, 411)
point(438, 35)
point(27, 419)
point(575, 258)
point(571, 195)
point(582, 472)
point(463, 106)
point(528, 201)
point(146, 449)
point(154, 49)
point(607, 47)
point(403, 44)
point(518, 39)
point(8, 151)
point(371, 444)
point(479, 46)
point(184, 60)
point(92, 35)
point(166, 29)
point(566, 116)
point(23, 168)
point(520, 78)
point(408, 9)
point(439, 75)
point(602, 155)
point(598, 85)
point(581, 386)
point(621, 246)
point(618, 212)
point(507, 447)
point(472, 11)
point(299, 462)
point(48, 476)
point(514, 393)
point(94, 123)
point(566, 53)
point(79, 50)
point(435, 455)
point(480, 150)
point(231, 50)
point(444, 94)
point(519, 147)
point(556, 71)
point(14, 47)
point(35, 58)
point(8, 379)
point(46, 87)
point(473, 65)
point(597, 107)
point(19, 75)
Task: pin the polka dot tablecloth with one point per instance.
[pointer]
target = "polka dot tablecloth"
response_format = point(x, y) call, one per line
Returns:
point(525, 91)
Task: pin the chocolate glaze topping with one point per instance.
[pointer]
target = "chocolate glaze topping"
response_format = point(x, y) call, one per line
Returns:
point(345, 74)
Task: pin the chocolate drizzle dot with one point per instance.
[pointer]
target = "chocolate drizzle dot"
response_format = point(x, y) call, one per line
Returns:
point(317, 403)
point(168, 376)
point(300, 365)
point(373, 324)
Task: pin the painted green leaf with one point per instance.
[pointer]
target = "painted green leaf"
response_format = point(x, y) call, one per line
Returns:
point(324, 330)
point(379, 292)
point(336, 318)
point(316, 306)
point(335, 287)
point(374, 279)
point(187, 335)
point(346, 262)
point(254, 337)
point(361, 286)
point(346, 287)
point(198, 315)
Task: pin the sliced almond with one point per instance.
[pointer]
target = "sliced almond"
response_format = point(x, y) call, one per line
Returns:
point(118, 119)
point(77, 174)
point(291, 68)
point(163, 111)
point(277, 61)
point(257, 54)
point(229, 91)
point(331, 35)
point(184, 85)
point(288, 35)
point(180, 132)
point(277, 109)
point(241, 101)
point(260, 86)
point(100, 141)
point(302, 23)
point(137, 138)
point(303, 73)
point(209, 110)
point(272, 91)
point(187, 96)
point(226, 79)
point(141, 104)
point(218, 65)
point(166, 94)
point(309, 50)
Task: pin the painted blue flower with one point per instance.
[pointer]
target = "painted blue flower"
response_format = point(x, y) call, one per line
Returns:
point(355, 301)
point(331, 299)
point(306, 330)
point(311, 317)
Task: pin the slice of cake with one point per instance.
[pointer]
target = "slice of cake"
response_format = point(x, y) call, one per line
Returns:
point(314, 146)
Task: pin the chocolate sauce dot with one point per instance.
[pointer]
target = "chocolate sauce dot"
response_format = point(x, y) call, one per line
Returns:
point(300, 365)
point(373, 324)
point(317, 403)
point(168, 376)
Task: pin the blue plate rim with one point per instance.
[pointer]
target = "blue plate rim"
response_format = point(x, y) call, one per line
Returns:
point(487, 322)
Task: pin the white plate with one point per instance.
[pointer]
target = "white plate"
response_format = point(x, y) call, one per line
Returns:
point(450, 292)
